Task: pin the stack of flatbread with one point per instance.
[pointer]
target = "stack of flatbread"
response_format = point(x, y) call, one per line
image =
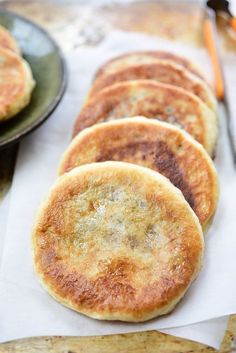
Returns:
point(16, 80)
point(121, 233)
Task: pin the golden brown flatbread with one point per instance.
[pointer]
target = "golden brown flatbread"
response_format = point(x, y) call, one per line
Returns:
point(116, 241)
point(161, 71)
point(152, 100)
point(8, 41)
point(147, 57)
point(16, 84)
point(156, 145)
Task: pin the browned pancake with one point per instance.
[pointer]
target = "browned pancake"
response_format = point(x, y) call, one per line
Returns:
point(116, 241)
point(156, 145)
point(16, 84)
point(161, 71)
point(8, 41)
point(152, 100)
point(146, 57)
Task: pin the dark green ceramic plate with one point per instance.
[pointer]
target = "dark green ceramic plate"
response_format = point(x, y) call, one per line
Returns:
point(48, 67)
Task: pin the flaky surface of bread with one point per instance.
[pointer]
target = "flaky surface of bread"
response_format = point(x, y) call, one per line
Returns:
point(163, 71)
point(152, 100)
point(8, 41)
point(117, 241)
point(156, 145)
point(16, 84)
point(146, 57)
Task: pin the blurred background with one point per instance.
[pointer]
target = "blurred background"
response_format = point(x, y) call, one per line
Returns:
point(80, 22)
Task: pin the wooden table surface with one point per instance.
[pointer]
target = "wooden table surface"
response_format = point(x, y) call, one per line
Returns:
point(76, 24)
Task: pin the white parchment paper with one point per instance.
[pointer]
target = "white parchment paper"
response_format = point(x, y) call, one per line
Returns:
point(25, 308)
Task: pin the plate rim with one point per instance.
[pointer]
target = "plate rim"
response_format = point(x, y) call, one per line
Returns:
point(59, 95)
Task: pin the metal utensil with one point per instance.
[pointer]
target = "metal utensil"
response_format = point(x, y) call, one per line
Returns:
point(223, 6)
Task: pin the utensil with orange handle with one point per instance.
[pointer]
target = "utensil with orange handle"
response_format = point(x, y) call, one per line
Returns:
point(210, 38)
point(232, 22)
point(209, 32)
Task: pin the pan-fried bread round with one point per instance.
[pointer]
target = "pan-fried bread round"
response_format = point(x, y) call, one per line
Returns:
point(146, 57)
point(152, 100)
point(117, 241)
point(16, 84)
point(8, 41)
point(156, 145)
point(161, 71)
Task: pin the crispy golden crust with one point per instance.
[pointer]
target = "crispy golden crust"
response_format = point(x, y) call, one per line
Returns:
point(16, 84)
point(117, 241)
point(8, 41)
point(152, 100)
point(146, 57)
point(160, 71)
point(156, 145)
